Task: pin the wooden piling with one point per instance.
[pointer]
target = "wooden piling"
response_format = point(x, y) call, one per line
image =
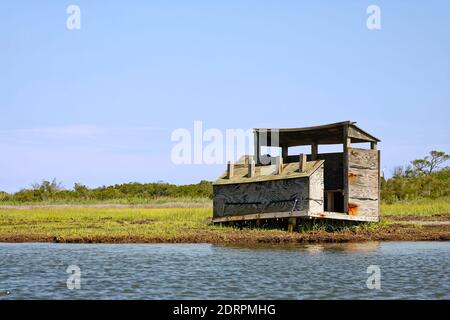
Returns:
point(251, 168)
point(292, 223)
point(279, 164)
point(314, 150)
point(230, 170)
point(302, 162)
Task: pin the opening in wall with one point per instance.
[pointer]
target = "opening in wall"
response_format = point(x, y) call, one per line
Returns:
point(331, 148)
point(334, 201)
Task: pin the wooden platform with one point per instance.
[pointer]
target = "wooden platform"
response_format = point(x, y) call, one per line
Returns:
point(295, 214)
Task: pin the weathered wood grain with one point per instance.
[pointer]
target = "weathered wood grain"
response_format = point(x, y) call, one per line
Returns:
point(251, 169)
point(302, 163)
point(345, 167)
point(298, 214)
point(260, 197)
point(359, 135)
point(363, 158)
point(268, 172)
point(333, 168)
point(230, 170)
point(261, 216)
point(363, 182)
point(316, 191)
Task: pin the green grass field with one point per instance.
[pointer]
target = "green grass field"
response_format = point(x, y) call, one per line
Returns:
point(172, 224)
point(419, 208)
point(163, 223)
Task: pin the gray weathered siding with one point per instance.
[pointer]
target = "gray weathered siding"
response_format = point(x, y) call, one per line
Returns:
point(261, 197)
point(333, 169)
point(316, 194)
point(363, 181)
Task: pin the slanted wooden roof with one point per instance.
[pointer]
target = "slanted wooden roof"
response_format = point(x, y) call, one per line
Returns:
point(268, 173)
point(325, 134)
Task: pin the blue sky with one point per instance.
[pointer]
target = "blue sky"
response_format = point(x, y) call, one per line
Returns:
point(98, 105)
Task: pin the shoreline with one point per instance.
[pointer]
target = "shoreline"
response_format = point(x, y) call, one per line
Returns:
point(396, 232)
point(193, 225)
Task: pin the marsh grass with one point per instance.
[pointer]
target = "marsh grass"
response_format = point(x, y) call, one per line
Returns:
point(192, 224)
point(142, 224)
point(103, 222)
point(419, 207)
point(321, 225)
point(340, 226)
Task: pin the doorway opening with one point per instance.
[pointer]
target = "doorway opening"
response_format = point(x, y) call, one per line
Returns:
point(334, 201)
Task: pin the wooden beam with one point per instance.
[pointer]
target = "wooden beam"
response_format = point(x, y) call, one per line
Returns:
point(251, 168)
point(373, 145)
point(279, 164)
point(314, 151)
point(347, 145)
point(296, 214)
point(230, 170)
point(257, 147)
point(360, 135)
point(342, 216)
point(379, 185)
point(302, 162)
point(348, 142)
point(256, 216)
point(284, 151)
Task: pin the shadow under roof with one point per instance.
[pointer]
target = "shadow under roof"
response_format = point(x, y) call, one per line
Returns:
point(333, 133)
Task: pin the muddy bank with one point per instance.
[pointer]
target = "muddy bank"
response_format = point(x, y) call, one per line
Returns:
point(395, 232)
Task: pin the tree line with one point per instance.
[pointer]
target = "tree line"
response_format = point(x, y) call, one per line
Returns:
point(422, 178)
point(54, 191)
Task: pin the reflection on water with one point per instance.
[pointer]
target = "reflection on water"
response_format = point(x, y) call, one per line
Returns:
point(351, 247)
point(314, 248)
point(202, 271)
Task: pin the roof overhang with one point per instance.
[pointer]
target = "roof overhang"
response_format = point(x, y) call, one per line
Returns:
point(333, 133)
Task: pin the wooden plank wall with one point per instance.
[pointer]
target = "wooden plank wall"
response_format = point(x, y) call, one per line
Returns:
point(363, 182)
point(261, 197)
point(316, 194)
point(333, 169)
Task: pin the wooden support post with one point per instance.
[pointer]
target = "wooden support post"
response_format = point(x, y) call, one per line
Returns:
point(330, 201)
point(314, 151)
point(251, 168)
point(292, 224)
point(230, 170)
point(302, 162)
point(279, 164)
point(284, 152)
point(373, 145)
point(347, 144)
point(257, 147)
point(379, 184)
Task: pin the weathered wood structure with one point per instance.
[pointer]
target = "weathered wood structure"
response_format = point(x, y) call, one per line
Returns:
point(341, 185)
